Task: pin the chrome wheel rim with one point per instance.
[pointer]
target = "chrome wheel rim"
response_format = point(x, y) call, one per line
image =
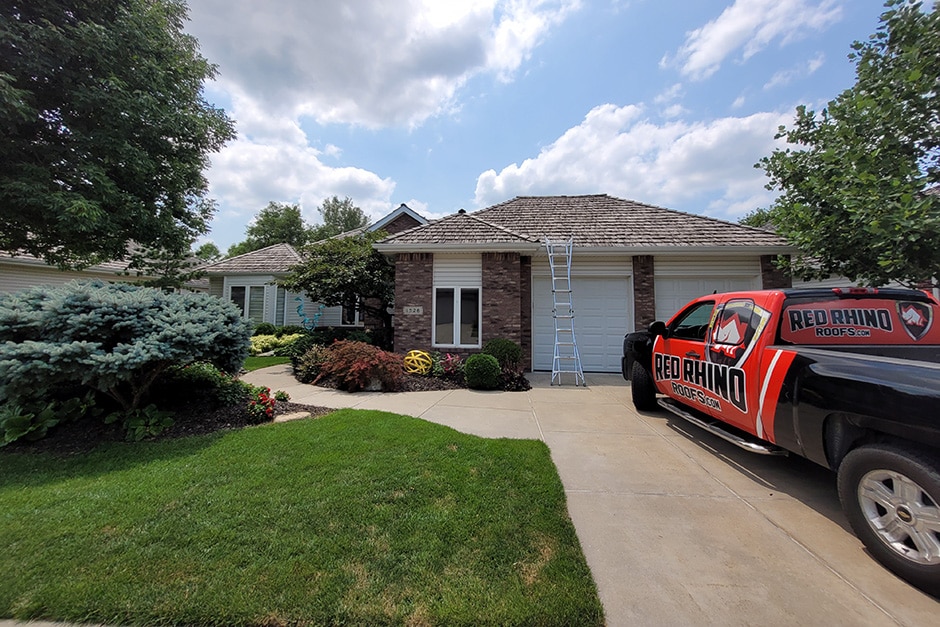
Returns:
point(902, 514)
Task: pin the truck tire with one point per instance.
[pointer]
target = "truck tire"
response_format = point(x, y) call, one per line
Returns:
point(642, 388)
point(891, 495)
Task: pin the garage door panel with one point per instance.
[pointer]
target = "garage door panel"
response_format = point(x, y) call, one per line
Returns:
point(603, 313)
point(672, 293)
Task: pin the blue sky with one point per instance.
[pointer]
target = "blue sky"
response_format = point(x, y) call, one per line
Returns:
point(443, 104)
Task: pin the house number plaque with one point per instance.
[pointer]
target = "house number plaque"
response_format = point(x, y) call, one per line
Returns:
point(412, 311)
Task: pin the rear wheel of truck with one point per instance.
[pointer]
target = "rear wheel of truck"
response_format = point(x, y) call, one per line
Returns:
point(642, 388)
point(891, 495)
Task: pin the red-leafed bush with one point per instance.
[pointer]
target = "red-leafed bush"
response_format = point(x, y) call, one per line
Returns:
point(358, 366)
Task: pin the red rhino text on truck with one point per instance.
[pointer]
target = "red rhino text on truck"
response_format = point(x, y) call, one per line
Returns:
point(848, 378)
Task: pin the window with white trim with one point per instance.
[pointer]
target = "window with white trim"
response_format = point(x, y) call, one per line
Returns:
point(250, 299)
point(457, 313)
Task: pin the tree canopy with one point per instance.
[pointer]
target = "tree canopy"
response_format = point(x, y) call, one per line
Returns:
point(104, 129)
point(339, 216)
point(341, 270)
point(278, 223)
point(856, 178)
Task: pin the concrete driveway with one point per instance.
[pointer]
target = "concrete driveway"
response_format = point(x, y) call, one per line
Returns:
point(678, 526)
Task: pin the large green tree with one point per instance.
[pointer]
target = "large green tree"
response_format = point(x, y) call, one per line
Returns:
point(104, 129)
point(856, 178)
point(343, 269)
point(339, 216)
point(278, 223)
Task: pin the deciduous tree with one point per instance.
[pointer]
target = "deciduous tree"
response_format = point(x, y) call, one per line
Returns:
point(104, 129)
point(856, 178)
point(340, 270)
point(278, 223)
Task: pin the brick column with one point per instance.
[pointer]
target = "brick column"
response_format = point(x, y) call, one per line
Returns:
point(414, 277)
point(771, 276)
point(525, 310)
point(644, 292)
point(502, 315)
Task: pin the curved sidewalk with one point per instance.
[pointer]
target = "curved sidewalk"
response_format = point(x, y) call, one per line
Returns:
point(678, 527)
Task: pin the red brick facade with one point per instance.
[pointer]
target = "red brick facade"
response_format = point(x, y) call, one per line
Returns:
point(644, 292)
point(414, 277)
point(399, 224)
point(771, 276)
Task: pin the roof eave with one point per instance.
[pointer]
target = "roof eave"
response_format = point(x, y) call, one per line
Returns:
point(492, 247)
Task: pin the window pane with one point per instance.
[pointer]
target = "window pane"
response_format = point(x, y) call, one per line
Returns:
point(280, 306)
point(256, 304)
point(444, 316)
point(238, 297)
point(469, 316)
point(693, 324)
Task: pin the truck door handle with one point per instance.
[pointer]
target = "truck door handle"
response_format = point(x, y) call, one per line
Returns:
point(693, 355)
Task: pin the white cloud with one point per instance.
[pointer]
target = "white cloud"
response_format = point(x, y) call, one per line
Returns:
point(749, 26)
point(367, 63)
point(616, 150)
point(785, 77)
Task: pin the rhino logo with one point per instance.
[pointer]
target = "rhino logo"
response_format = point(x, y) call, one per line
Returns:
point(916, 318)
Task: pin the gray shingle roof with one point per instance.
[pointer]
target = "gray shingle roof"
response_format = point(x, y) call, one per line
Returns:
point(596, 221)
point(276, 259)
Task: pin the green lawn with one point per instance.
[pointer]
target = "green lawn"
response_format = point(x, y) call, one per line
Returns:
point(359, 517)
point(253, 363)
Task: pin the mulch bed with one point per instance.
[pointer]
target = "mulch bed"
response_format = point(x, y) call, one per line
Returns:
point(82, 436)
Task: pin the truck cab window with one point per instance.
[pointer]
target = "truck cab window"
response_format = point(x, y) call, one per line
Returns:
point(692, 324)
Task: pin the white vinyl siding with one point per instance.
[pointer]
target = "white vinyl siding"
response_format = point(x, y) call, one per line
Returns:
point(678, 280)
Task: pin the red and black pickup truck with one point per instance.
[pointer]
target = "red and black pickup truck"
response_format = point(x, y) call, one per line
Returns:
point(849, 378)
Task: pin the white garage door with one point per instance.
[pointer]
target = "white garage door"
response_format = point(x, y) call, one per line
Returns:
point(673, 293)
point(603, 313)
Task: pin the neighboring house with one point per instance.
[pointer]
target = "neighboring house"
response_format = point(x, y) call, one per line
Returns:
point(21, 271)
point(471, 277)
point(250, 281)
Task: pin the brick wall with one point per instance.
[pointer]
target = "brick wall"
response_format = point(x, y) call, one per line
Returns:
point(399, 224)
point(502, 310)
point(414, 277)
point(644, 292)
point(771, 276)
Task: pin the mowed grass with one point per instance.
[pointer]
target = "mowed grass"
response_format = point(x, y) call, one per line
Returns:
point(359, 517)
point(254, 363)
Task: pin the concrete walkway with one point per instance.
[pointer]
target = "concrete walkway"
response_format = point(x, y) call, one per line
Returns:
point(678, 527)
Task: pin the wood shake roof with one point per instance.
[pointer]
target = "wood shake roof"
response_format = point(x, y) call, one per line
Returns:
point(595, 221)
point(276, 259)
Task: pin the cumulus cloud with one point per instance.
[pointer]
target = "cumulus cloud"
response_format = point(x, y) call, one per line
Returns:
point(618, 150)
point(746, 28)
point(367, 63)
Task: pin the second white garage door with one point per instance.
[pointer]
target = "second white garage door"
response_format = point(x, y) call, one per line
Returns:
point(679, 280)
point(603, 314)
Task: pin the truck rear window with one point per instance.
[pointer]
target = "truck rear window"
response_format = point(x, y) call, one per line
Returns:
point(859, 321)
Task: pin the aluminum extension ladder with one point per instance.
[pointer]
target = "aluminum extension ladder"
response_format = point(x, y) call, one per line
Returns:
point(566, 356)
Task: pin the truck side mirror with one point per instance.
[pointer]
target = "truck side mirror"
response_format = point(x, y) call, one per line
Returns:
point(658, 328)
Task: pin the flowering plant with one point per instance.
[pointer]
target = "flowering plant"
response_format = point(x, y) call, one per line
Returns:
point(452, 364)
point(261, 404)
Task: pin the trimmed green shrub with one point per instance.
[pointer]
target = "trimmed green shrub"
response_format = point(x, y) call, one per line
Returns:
point(264, 328)
point(357, 365)
point(506, 352)
point(307, 366)
point(204, 380)
point(481, 372)
point(277, 343)
point(113, 338)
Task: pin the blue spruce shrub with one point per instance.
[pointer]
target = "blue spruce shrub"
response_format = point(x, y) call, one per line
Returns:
point(113, 338)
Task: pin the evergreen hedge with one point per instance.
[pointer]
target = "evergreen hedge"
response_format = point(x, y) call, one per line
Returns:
point(113, 338)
